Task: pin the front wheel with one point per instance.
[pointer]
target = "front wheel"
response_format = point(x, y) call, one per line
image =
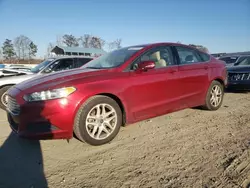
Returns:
point(98, 120)
point(214, 97)
point(4, 97)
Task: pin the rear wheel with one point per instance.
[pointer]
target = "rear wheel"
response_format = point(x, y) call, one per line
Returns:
point(4, 97)
point(214, 97)
point(98, 120)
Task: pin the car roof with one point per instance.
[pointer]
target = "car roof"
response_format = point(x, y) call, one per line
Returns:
point(163, 43)
point(159, 43)
point(235, 56)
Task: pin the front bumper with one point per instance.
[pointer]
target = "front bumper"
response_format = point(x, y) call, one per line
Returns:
point(52, 119)
point(35, 127)
point(239, 85)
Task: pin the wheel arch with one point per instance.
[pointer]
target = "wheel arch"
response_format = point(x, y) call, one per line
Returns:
point(2, 86)
point(220, 80)
point(119, 102)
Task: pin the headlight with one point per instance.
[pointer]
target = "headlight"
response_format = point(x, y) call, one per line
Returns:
point(49, 94)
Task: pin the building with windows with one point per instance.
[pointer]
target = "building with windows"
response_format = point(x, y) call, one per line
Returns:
point(77, 51)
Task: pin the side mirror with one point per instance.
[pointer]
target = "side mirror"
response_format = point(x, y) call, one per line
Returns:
point(146, 65)
point(48, 70)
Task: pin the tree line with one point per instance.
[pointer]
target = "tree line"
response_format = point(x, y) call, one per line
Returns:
point(21, 47)
point(85, 41)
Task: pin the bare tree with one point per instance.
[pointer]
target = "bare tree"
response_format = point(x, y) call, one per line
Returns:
point(85, 40)
point(59, 41)
point(70, 40)
point(89, 41)
point(115, 44)
point(49, 48)
point(97, 42)
point(21, 44)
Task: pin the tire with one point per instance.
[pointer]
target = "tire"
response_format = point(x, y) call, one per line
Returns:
point(3, 91)
point(83, 132)
point(210, 104)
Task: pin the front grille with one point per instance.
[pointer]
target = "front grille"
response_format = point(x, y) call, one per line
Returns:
point(12, 106)
point(239, 76)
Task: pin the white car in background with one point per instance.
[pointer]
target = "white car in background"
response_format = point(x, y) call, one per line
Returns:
point(12, 69)
point(50, 65)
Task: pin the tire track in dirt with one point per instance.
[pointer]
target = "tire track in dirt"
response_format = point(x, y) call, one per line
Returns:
point(190, 148)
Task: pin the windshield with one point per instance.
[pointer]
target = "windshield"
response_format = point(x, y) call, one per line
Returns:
point(112, 59)
point(40, 66)
point(229, 60)
point(244, 61)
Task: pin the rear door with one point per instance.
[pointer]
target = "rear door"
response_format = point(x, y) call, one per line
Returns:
point(193, 72)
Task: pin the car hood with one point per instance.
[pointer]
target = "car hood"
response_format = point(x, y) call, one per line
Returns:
point(239, 69)
point(15, 79)
point(54, 79)
point(14, 71)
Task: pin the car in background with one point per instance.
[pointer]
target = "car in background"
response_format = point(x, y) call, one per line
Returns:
point(121, 87)
point(12, 69)
point(49, 65)
point(19, 67)
point(239, 74)
point(218, 55)
point(229, 60)
point(232, 60)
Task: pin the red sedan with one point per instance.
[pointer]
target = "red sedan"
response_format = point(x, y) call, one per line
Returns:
point(122, 87)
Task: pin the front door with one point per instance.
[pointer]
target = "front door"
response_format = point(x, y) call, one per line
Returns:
point(155, 91)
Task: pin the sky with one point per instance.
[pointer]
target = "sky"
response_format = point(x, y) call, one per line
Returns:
point(220, 25)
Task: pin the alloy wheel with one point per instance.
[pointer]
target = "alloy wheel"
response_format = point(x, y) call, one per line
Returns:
point(101, 121)
point(4, 99)
point(216, 96)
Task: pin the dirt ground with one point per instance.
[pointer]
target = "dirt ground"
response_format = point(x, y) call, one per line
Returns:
point(190, 148)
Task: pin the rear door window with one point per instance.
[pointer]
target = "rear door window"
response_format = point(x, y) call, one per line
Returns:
point(204, 57)
point(188, 55)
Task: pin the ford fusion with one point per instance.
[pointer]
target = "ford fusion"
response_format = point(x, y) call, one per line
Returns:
point(121, 87)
